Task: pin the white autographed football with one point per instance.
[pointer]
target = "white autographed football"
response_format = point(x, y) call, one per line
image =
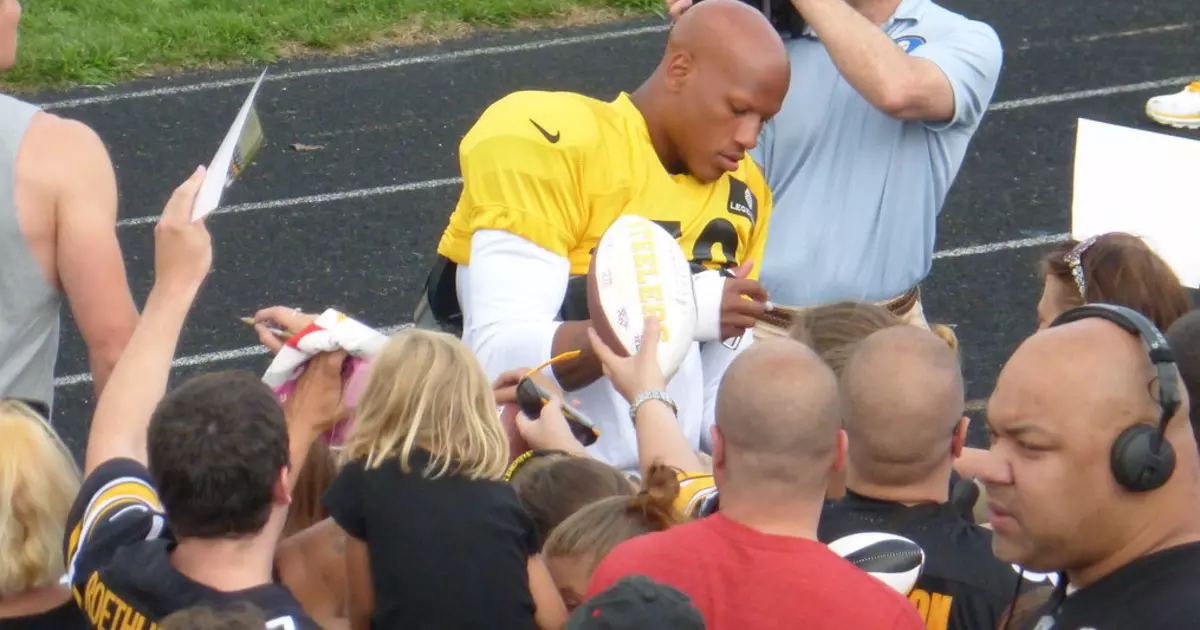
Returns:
point(894, 560)
point(638, 270)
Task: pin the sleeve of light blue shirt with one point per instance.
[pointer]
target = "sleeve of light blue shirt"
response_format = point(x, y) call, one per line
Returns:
point(971, 58)
point(762, 150)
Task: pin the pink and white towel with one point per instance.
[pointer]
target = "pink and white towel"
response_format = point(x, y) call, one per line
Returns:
point(329, 332)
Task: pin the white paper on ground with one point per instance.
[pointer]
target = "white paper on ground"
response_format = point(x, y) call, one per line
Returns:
point(1143, 183)
point(237, 150)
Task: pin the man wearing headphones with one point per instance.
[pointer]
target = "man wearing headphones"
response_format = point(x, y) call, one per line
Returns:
point(1093, 472)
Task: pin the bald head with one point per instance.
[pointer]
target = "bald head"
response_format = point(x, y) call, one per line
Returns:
point(731, 39)
point(1059, 404)
point(903, 394)
point(778, 415)
point(1089, 366)
point(728, 29)
point(724, 73)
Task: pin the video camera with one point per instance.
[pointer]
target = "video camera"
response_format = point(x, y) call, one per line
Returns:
point(781, 14)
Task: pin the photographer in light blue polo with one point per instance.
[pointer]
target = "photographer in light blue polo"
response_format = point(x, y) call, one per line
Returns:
point(885, 97)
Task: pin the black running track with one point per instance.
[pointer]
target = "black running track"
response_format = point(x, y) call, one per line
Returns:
point(353, 222)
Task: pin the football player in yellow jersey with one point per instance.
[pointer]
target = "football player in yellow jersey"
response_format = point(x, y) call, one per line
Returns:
point(546, 173)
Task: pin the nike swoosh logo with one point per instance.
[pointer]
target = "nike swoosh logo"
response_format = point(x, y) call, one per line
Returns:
point(553, 138)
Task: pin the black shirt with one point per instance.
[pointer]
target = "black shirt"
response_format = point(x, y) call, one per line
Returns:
point(1156, 592)
point(67, 616)
point(962, 586)
point(118, 559)
point(447, 554)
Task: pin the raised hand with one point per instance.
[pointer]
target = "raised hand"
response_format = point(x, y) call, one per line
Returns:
point(636, 374)
point(182, 247)
point(677, 7)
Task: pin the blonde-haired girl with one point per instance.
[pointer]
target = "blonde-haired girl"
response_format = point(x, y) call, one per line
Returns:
point(38, 483)
point(436, 537)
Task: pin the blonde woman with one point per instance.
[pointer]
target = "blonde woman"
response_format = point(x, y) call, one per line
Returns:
point(436, 538)
point(38, 482)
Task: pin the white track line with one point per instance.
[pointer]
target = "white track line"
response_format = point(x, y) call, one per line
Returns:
point(256, 350)
point(1099, 37)
point(313, 199)
point(989, 248)
point(202, 359)
point(1082, 94)
point(361, 67)
point(430, 184)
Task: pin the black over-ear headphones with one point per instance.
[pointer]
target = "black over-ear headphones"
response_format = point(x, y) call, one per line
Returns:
point(1141, 458)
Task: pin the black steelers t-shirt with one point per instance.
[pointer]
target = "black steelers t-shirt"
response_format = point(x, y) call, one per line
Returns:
point(962, 586)
point(118, 559)
point(1160, 591)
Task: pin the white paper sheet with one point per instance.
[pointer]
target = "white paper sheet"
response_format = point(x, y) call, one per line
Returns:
point(1143, 183)
point(237, 151)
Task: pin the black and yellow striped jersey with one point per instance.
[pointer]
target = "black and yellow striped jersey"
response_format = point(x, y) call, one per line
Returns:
point(117, 550)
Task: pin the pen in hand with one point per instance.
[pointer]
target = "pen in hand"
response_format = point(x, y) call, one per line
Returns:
point(278, 332)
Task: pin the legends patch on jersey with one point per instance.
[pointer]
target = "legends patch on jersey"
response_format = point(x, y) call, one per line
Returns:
point(742, 201)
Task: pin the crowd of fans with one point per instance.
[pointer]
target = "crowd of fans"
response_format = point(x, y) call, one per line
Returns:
point(216, 505)
point(430, 519)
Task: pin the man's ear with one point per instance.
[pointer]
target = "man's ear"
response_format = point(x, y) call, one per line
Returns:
point(960, 437)
point(678, 69)
point(718, 448)
point(839, 455)
point(283, 494)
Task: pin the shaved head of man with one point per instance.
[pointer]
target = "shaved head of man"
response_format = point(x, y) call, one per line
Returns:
point(903, 396)
point(725, 72)
point(778, 426)
point(1059, 404)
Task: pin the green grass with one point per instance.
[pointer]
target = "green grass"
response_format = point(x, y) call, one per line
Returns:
point(65, 43)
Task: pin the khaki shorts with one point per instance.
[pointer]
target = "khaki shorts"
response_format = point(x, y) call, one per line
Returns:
point(907, 307)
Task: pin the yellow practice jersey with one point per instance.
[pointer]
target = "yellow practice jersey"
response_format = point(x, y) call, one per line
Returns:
point(694, 489)
point(557, 169)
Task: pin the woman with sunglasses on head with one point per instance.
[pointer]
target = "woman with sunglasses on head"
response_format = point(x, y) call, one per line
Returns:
point(1114, 268)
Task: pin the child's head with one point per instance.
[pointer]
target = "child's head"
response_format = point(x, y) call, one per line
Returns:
point(427, 391)
point(834, 331)
point(553, 487)
point(579, 543)
point(38, 481)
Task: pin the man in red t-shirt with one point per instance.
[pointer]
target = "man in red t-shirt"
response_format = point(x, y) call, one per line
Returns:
point(757, 563)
